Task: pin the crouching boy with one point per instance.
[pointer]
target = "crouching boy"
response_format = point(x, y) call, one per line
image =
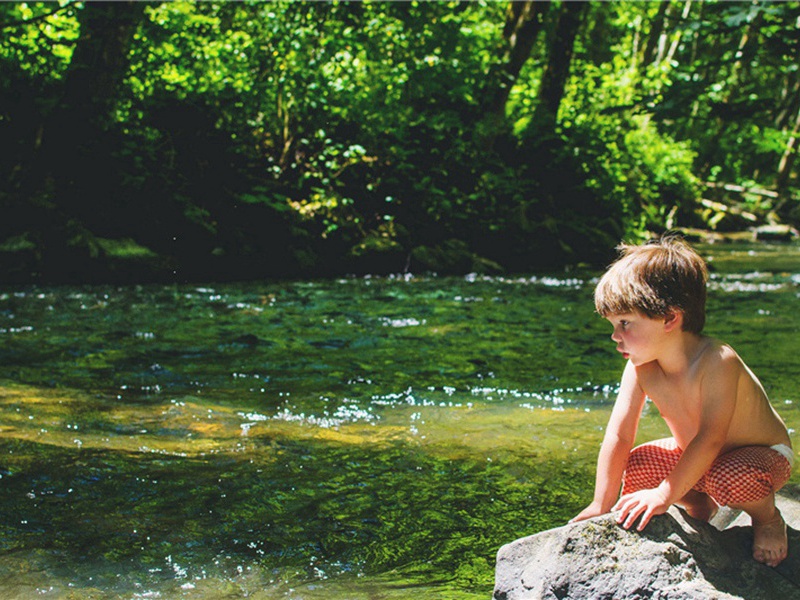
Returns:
point(728, 447)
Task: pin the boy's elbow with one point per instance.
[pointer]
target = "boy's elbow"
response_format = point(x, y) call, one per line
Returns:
point(713, 441)
point(621, 441)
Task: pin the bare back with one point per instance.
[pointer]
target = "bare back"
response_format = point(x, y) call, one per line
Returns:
point(680, 398)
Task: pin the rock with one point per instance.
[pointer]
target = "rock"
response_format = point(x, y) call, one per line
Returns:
point(775, 233)
point(674, 558)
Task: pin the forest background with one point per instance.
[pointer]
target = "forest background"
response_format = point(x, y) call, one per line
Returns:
point(241, 140)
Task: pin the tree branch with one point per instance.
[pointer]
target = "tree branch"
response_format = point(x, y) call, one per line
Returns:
point(37, 18)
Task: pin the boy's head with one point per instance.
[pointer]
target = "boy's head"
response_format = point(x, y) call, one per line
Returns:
point(655, 279)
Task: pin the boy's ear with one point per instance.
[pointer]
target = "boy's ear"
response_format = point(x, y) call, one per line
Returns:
point(673, 320)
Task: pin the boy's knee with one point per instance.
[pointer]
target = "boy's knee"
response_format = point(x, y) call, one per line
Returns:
point(750, 484)
point(747, 475)
point(637, 457)
point(643, 470)
point(651, 458)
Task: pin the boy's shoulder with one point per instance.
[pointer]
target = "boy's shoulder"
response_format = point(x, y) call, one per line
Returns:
point(719, 359)
point(717, 351)
point(711, 358)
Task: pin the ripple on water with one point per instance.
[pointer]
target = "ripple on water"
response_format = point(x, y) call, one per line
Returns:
point(344, 413)
point(272, 438)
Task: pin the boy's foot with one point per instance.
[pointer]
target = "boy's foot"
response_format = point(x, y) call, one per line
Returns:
point(699, 506)
point(770, 544)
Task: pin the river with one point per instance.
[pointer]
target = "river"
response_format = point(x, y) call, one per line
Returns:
point(358, 438)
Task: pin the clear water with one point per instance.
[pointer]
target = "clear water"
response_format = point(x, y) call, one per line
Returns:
point(369, 438)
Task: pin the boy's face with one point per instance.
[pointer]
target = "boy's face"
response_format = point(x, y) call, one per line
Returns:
point(637, 336)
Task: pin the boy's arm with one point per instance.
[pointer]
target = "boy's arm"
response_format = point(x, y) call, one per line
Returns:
point(718, 401)
point(617, 443)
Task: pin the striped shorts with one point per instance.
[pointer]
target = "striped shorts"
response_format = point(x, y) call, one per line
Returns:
point(742, 475)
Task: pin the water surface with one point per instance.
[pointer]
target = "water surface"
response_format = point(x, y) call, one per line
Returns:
point(347, 439)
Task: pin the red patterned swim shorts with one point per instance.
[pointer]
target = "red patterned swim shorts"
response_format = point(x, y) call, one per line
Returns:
point(742, 475)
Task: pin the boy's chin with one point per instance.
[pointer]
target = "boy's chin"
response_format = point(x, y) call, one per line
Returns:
point(638, 361)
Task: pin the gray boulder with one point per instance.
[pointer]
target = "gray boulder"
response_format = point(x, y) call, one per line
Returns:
point(674, 558)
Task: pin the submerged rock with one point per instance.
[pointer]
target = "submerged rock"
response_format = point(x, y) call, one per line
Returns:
point(674, 558)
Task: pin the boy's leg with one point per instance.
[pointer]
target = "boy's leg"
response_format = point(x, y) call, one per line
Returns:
point(747, 479)
point(699, 505)
point(770, 543)
point(651, 463)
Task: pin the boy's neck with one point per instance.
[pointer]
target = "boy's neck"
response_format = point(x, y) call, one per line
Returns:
point(682, 350)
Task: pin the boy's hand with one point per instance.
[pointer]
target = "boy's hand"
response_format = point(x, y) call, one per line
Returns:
point(644, 503)
point(593, 510)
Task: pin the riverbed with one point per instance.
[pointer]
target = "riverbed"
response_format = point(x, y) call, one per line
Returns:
point(347, 439)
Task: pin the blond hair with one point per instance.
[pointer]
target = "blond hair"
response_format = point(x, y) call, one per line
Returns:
point(656, 278)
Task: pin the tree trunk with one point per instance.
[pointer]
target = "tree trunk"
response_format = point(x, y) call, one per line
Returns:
point(523, 23)
point(556, 73)
point(676, 38)
point(524, 20)
point(750, 35)
point(791, 101)
point(98, 66)
point(69, 179)
point(656, 40)
point(787, 162)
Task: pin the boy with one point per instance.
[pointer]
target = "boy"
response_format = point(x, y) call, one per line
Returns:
point(729, 446)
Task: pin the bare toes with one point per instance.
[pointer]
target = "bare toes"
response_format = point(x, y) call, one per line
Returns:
point(770, 541)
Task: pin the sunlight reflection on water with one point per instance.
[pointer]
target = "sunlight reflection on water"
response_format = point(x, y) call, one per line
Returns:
point(353, 439)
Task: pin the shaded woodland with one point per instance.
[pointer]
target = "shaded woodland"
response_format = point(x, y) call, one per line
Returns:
point(240, 140)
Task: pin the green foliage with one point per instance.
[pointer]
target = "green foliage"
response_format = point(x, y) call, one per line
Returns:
point(342, 136)
point(738, 86)
point(38, 36)
point(648, 174)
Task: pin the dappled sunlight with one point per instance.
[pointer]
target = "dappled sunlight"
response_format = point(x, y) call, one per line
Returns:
point(465, 425)
point(64, 418)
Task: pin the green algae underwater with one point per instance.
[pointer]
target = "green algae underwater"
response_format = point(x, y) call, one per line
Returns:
point(360, 438)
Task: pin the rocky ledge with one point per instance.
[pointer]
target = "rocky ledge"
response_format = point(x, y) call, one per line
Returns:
point(675, 558)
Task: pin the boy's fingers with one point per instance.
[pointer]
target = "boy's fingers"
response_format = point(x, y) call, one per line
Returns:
point(645, 520)
point(632, 512)
point(632, 518)
point(622, 514)
point(620, 505)
point(621, 502)
point(627, 504)
point(625, 516)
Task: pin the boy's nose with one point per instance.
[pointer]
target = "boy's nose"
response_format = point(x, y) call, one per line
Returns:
point(615, 337)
